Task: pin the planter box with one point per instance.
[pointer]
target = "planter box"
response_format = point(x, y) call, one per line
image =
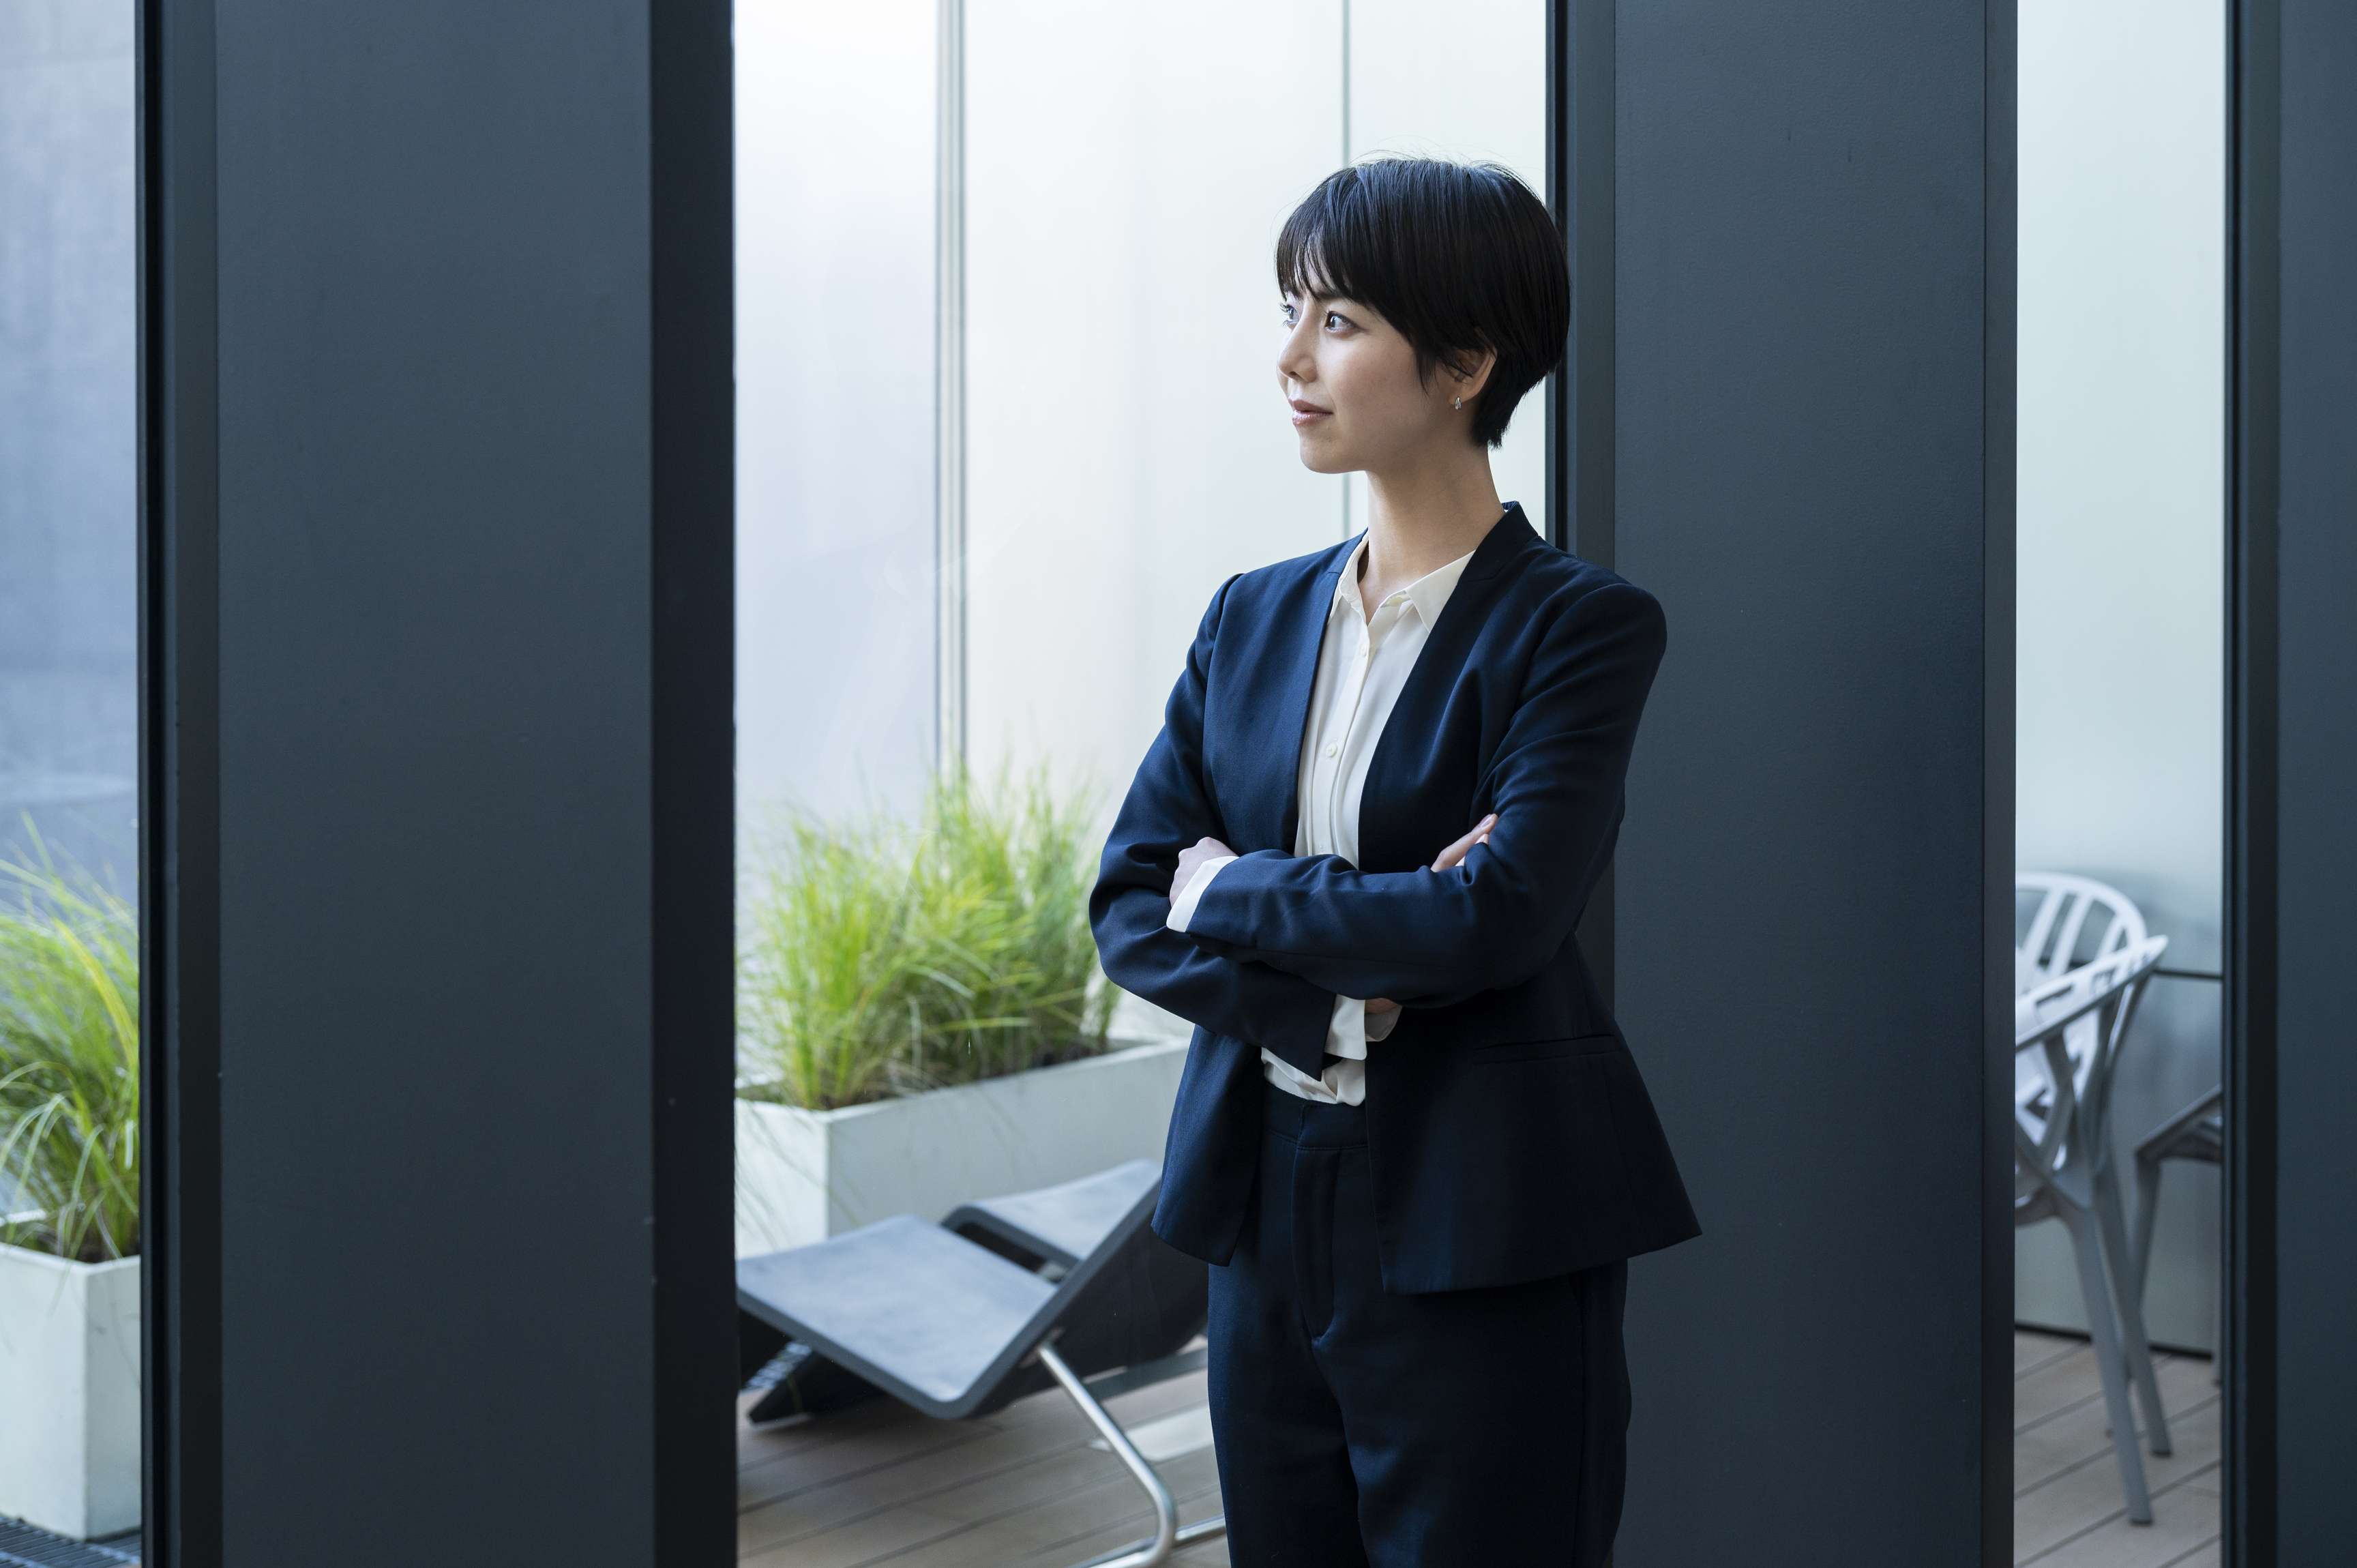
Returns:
point(68, 1393)
point(804, 1175)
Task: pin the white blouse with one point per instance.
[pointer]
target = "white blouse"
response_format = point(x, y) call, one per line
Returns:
point(1362, 664)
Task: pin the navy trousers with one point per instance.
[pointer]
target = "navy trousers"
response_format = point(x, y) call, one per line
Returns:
point(1358, 1429)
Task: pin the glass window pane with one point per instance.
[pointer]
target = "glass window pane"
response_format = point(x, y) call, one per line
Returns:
point(70, 1418)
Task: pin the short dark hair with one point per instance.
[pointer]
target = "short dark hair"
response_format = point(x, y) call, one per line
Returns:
point(1460, 257)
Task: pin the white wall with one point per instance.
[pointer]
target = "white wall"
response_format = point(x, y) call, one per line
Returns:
point(2121, 431)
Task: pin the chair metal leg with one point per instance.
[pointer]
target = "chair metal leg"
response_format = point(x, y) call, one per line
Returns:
point(2218, 1328)
point(2148, 1169)
point(1168, 1537)
point(2096, 1291)
point(2135, 1343)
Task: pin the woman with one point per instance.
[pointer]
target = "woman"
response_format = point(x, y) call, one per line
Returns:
point(1409, 1137)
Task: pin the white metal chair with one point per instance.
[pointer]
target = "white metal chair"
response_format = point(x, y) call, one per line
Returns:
point(2059, 928)
point(2065, 1169)
point(2078, 919)
point(2196, 1133)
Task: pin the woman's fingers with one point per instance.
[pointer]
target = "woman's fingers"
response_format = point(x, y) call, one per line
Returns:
point(1457, 851)
point(1378, 1005)
point(1190, 859)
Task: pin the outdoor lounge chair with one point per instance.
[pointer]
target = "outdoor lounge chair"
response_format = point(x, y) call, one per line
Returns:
point(1057, 1225)
point(955, 1329)
point(1048, 1229)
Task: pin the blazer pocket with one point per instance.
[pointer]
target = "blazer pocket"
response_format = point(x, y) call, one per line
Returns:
point(1540, 1050)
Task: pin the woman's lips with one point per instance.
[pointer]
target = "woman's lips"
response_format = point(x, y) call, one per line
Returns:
point(1310, 415)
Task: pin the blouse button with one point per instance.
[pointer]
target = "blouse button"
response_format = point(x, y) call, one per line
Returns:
point(1332, 748)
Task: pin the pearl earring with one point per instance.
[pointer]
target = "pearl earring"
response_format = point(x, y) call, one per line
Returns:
point(1457, 403)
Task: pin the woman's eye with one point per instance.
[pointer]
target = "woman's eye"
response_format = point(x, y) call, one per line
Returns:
point(1332, 321)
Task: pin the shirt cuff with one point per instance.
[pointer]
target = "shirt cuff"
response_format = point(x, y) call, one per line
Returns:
point(1346, 1037)
point(1182, 907)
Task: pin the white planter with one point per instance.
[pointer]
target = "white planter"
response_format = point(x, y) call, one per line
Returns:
point(804, 1175)
point(68, 1393)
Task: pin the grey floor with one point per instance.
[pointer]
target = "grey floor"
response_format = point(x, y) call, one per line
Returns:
point(1027, 1488)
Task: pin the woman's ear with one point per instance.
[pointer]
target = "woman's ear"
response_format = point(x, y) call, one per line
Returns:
point(1467, 382)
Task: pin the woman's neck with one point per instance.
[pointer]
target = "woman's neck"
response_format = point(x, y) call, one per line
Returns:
point(1423, 519)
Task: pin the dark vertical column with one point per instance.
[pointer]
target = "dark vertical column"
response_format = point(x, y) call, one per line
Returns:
point(2248, 1463)
point(179, 807)
point(1813, 413)
point(692, 651)
point(439, 616)
point(1580, 434)
point(2000, 240)
point(2311, 562)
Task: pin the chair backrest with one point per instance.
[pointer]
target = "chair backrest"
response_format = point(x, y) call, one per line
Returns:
point(2097, 1000)
point(2059, 938)
point(1059, 1224)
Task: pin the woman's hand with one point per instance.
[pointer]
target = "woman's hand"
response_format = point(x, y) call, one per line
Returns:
point(1379, 1006)
point(1464, 846)
point(1191, 859)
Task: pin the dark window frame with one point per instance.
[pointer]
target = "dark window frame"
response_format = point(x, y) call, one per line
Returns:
point(690, 84)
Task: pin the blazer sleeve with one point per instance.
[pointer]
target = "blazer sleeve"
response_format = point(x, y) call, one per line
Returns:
point(1167, 810)
point(1492, 920)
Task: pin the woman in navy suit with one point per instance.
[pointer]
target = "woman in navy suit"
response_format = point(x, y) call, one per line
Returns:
point(1409, 1137)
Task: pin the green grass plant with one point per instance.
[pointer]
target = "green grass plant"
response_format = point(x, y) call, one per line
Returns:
point(69, 1062)
point(882, 956)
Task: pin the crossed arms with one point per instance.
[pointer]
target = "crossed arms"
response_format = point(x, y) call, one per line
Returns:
point(1275, 937)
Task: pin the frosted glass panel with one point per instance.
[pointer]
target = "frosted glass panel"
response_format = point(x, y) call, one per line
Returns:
point(836, 128)
point(68, 456)
point(1472, 88)
point(1127, 174)
point(1127, 169)
point(2120, 523)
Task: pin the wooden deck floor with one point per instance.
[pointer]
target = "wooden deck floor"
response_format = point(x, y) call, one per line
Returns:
point(1027, 1488)
point(2067, 1511)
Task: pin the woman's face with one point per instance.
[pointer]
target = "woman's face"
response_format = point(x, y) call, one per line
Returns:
point(1350, 378)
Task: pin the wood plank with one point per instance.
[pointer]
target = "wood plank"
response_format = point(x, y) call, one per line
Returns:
point(2067, 1492)
point(2033, 1348)
point(1028, 1487)
point(2183, 1520)
point(2089, 1498)
point(2053, 1387)
point(1055, 1526)
point(2083, 1430)
point(882, 1479)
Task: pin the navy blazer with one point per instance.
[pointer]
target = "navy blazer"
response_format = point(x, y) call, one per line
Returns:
point(1509, 1134)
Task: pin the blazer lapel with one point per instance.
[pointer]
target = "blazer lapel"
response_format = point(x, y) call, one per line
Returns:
point(1267, 810)
point(1292, 666)
point(1419, 787)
